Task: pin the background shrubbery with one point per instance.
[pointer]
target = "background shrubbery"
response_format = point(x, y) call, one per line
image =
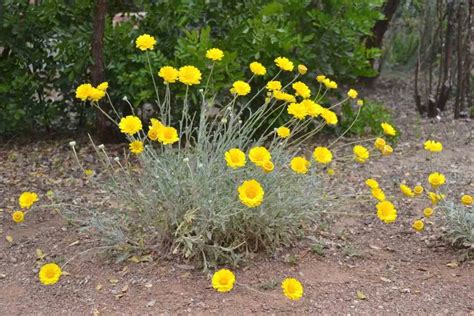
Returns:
point(45, 48)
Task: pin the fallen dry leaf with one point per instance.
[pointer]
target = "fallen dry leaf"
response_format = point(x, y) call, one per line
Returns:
point(360, 295)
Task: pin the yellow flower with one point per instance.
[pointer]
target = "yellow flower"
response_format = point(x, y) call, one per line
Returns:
point(378, 194)
point(361, 154)
point(27, 199)
point(312, 108)
point(427, 212)
point(49, 273)
point(433, 146)
point(168, 135)
point(89, 172)
point(320, 78)
point(130, 125)
point(103, 86)
point(284, 63)
point(329, 84)
point(145, 42)
point(258, 155)
point(258, 69)
point(235, 158)
point(387, 150)
point(379, 143)
point(418, 225)
point(283, 96)
point(360, 102)
point(299, 165)
point(18, 216)
point(301, 89)
point(268, 166)
point(189, 75)
point(418, 189)
point(223, 280)
point(153, 133)
point(302, 69)
point(251, 193)
point(169, 74)
point(298, 110)
point(435, 197)
point(388, 129)
point(274, 85)
point(466, 199)
point(331, 172)
point(283, 132)
point(83, 91)
point(322, 155)
point(329, 116)
point(386, 212)
point(292, 289)
point(215, 54)
point(136, 147)
point(436, 179)
point(96, 94)
point(372, 183)
point(406, 190)
point(241, 88)
point(352, 94)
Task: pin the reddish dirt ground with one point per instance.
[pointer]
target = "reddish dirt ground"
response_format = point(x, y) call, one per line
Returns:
point(350, 265)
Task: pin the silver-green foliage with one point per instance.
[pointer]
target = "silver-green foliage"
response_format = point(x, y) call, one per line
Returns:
point(460, 224)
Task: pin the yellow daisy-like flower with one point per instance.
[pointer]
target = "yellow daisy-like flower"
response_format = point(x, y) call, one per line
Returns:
point(301, 89)
point(372, 183)
point(189, 75)
point(83, 91)
point(418, 190)
point(96, 94)
point(283, 132)
point(283, 96)
point(259, 155)
point(258, 69)
point(312, 108)
point(331, 171)
point(388, 129)
point(268, 166)
point(466, 199)
point(322, 155)
point(406, 190)
point(352, 94)
point(240, 88)
point(329, 116)
point(379, 143)
point(433, 146)
point(292, 289)
point(378, 194)
point(436, 179)
point(329, 84)
point(251, 193)
point(89, 172)
point(386, 212)
point(427, 212)
point(273, 85)
point(103, 86)
point(167, 135)
point(435, 197)
point(298, 110)
point(223, 280)
point(360, 102)
point(155, 123)
point(235, 158)
point(136, 147)
point(153, 133)
point(284, 63)
point(418, 225)
point(361, 154)
point(215, 54)
point(302, 69)
point(320, 78)
point(300, 165)
point(169, 74)
point(50, 273)
point(18, 216)
point(387, 150)
point(27, 199)
point(145, 42)
point(130, 125)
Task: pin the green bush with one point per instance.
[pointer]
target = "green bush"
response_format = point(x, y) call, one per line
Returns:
point(459, 224)
point(372, 114)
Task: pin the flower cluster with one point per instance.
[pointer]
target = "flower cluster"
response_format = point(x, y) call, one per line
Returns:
point(26, 200)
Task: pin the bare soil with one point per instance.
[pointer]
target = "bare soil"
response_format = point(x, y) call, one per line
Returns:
point(351, 264)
